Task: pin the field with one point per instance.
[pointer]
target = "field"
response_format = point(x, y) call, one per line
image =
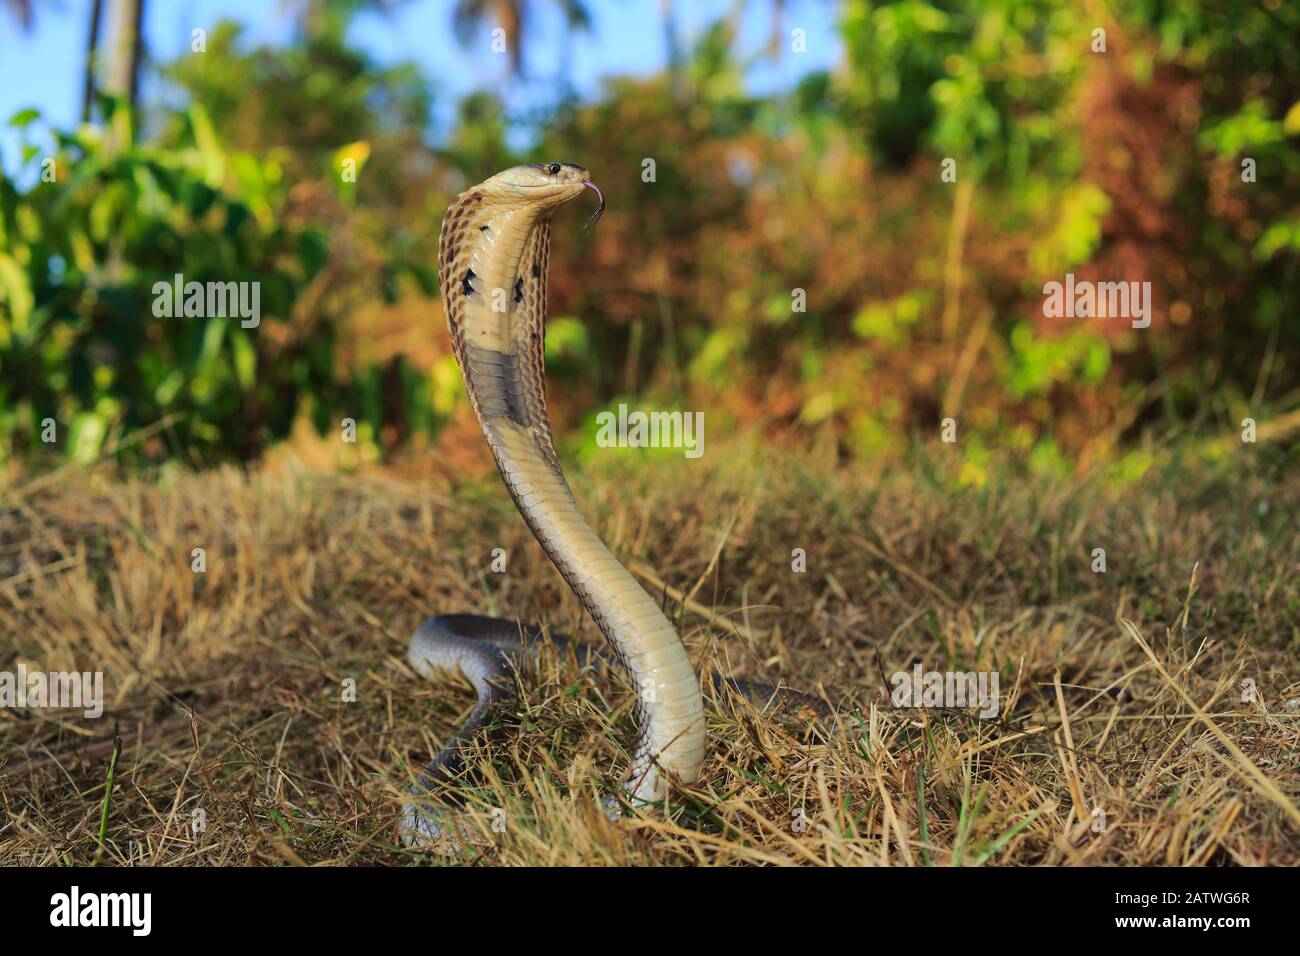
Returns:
point(1125, 733)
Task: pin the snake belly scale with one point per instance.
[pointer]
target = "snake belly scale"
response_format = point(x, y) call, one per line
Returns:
point(493, 264)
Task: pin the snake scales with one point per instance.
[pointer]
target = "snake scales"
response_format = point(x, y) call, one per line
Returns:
point(493, 263)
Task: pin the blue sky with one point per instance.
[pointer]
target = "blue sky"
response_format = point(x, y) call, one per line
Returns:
point(43, 68)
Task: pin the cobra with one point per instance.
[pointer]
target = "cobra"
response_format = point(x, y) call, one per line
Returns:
point(493, 263)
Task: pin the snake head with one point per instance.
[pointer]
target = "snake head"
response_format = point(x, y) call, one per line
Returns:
point(545, 184)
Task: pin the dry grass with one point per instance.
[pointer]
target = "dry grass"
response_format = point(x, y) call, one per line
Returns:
point(227, 685)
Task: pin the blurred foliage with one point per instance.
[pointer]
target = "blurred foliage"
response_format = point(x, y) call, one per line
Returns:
point(81, 254)
point(922, 298)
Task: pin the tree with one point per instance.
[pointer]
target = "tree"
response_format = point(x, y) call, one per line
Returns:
point(20, 10)
point(128, 50)
point(512, 16)
point(92, 46)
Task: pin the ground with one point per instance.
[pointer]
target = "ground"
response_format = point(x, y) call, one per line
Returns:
point(1125, 733)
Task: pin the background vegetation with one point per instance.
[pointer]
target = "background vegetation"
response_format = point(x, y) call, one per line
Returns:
point(923, 297)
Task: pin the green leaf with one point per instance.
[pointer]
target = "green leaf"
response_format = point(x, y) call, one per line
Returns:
point(23, 118)
point(313, 247)
point(1279, 237)
point(87, 436)
point(18, 294)
point(245, 358)
point(1291, 122)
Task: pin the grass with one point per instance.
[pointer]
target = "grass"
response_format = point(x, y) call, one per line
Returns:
point(1124, 736)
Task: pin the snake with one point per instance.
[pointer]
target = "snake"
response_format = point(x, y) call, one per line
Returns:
point(493, 263)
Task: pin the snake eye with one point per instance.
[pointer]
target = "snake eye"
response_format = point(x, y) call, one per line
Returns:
point(555, 169)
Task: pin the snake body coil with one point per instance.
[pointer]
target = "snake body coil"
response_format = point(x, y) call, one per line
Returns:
point(493, 262)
